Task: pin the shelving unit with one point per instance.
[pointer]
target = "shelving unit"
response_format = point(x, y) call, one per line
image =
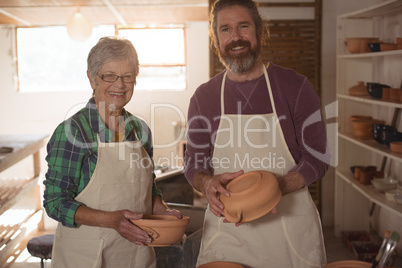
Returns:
point(12, 190)
point(353, 200)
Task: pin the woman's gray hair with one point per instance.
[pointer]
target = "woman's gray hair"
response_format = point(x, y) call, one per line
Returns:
point(109, 49)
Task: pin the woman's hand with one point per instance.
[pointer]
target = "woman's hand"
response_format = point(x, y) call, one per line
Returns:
point(213, 186)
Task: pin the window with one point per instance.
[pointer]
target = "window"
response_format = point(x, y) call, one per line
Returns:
point(48, 60)
point(161, 53)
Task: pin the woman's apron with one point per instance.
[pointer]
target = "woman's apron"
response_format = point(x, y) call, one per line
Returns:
point(117, 183)
point(290, 238)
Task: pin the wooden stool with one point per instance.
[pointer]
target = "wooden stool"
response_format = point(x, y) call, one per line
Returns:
point(41, 247)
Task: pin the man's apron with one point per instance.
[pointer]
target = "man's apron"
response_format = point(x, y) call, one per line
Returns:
point(117, 183)
point(292, 237)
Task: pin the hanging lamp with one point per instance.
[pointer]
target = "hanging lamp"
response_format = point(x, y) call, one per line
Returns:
point(79, 27)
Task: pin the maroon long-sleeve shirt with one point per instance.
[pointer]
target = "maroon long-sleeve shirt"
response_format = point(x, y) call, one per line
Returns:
point(297, 106)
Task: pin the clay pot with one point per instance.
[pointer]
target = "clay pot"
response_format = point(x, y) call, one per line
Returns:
point(358, 170)
point(394, 94)
point(359, 44)
point(252, 195)
point(220, 264)
point(396, 146)
point(359, 117)
point(358, 90)
point(348, 264)
point(164, 230)
point(387, 46)
point(366, 176)
point(376, 89)
point(362, 128)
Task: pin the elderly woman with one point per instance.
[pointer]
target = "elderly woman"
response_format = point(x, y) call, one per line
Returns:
point(100, 173)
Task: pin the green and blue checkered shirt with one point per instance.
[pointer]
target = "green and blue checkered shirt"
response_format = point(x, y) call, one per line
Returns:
point(72, 156)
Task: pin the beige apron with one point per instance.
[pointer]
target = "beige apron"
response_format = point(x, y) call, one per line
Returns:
point(290, 238)
point(117, 183)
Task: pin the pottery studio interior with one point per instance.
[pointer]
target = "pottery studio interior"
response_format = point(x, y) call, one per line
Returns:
point(326, 173)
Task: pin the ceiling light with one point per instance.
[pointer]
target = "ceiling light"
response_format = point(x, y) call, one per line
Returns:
point(79, 27)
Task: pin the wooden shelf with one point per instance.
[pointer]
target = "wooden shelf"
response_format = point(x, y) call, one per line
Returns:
point(370, 100)
point(372, 146)
point(371, 54)
point(371, 193)
point(385, 8)
point(11, 190)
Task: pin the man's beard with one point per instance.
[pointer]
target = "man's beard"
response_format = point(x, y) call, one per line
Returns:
point(241, 63)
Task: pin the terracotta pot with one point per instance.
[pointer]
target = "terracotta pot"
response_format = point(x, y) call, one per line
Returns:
point(252, 195)
point(358, 170)
point(358, 90)
point(220, 264)
point(359, 117)
point(396, 146)
point(164, 230)
point(387, 46)
point(366, 176)
point(362, 128)
point(386, 92)
point(394, 94)
point(348, 264)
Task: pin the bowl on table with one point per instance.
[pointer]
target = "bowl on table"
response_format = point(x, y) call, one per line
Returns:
point(164, 230)
point(384, 185)
point(375, 89)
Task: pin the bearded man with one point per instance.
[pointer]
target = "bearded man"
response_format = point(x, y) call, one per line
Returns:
point(256, 116)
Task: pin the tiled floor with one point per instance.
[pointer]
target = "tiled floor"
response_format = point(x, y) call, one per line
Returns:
point(335, 248)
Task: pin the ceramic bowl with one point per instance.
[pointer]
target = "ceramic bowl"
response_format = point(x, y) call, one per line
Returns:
point(388, 136)
point(359, 90)
point(396, 146)
point(362, 128)
point(359, 44)
point(390, 195)
point(398, 198)
point(348, 264)
point(375, 89)
point(374, 47)
point(387, 46)
point(220, 264)
point(384, 185)
point(379, 128)
point(252, 195)
point(164, 230)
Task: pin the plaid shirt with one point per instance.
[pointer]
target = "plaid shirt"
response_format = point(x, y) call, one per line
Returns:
point(72, 156)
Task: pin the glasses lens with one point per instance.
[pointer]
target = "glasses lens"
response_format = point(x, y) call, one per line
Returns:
point(109, 77)
point(128, 78)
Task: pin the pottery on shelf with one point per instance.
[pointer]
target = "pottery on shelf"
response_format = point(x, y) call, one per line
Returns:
point(387, 46)
point(384, 185)
point(164, 230)
point(220, 264)
point(388, 136)
point(360, 44)
point(358, 90)
point(377, 130)
point(348, 264)
point(362, 128)
point(396, 146)
point(376, 89)
point(390, 195)
point(252, 195)
point(374, 47)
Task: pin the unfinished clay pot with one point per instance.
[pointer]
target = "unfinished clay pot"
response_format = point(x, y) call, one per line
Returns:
point(164, 230)
point(362, 128)
point(220, 264)
point(359, 90)
point(252, 195)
